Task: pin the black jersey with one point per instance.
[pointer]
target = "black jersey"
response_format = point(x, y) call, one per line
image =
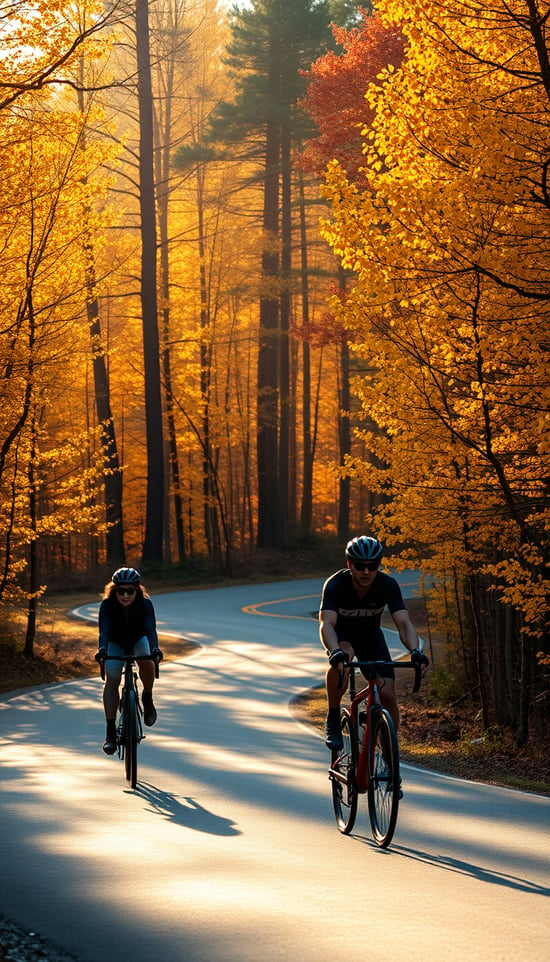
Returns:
point(358, 619)
point(126, 626)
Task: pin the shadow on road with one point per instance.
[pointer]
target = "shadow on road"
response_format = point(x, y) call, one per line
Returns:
point(185, 811)
point(460, 867)
point(478, 872)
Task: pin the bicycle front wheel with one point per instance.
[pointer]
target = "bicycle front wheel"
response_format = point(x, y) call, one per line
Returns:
point(383, 788)
point(129, 735)
point(342, 774)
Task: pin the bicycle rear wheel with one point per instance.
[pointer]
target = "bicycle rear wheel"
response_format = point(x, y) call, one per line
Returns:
point(344, 766)
point(130, 739)
point(383, 788)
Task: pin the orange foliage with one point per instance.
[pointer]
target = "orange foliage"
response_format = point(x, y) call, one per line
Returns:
point(335, 97)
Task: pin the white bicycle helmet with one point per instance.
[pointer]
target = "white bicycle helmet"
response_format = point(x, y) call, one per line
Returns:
point(364, 548)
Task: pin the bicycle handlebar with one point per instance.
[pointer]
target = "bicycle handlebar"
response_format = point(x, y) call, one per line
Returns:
point(127, 659)
point(373, 665)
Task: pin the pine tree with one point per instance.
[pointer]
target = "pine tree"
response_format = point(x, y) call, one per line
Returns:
point(272, 41)
point(153, 541)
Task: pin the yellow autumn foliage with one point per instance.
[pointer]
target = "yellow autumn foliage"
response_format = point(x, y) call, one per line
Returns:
point(51, 455)
point(449, 237)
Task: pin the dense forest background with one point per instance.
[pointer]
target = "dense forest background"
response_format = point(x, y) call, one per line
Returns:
point(273, 275)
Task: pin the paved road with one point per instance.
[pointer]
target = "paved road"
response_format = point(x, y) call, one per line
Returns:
point(228, 852)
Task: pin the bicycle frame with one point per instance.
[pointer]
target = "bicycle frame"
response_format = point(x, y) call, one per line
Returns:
point(370, 695)
point(129, 685)
point(368, 764)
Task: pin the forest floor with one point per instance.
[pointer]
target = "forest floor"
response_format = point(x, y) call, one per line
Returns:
point(448, 738)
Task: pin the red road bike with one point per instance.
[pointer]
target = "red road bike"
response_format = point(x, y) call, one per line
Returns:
point(369, 761)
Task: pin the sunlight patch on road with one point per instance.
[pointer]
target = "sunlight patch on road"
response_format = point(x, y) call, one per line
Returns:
point(72, 694)
point(256, 760)
point(248, 659)
point(49, 775)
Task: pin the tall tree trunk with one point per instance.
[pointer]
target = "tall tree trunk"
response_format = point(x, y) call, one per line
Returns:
point(112, 476)
point(481, 657)
point(293, 475)
point(34, 582)
point(152, 545)
point(284, 343)
point(33, 492)
point(268, 385)
point(344, 428)
point(344, 435)
point(173, 38)
point(173, 456)
point(209, 511)
point(307, 469)
point(524, 691)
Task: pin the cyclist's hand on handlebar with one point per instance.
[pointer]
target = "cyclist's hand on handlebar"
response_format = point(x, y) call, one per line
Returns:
point(100, 656)
point(419, 660)
point(157, 655)
point(338, 657)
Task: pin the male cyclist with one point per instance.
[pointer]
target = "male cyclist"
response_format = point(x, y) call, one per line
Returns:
point(352, 604)
point(126, 627)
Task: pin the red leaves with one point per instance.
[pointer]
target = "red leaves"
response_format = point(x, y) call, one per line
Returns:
point(335, 97)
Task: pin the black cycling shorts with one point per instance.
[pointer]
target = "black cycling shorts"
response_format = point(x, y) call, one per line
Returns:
point(374, 649)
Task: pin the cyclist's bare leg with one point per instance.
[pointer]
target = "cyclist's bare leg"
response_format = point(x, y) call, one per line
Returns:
point(147, 674)
point(113, 671)
point(388, 697)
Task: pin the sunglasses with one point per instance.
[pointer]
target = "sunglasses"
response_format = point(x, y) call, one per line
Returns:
point(366, 565)
point(126, 591)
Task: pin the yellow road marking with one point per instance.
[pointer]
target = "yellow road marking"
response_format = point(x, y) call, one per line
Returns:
point(253, 609)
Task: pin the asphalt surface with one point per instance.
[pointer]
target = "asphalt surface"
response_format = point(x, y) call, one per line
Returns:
point(228, 850)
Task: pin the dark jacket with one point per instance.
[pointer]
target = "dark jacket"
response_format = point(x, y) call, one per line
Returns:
point(125, 626)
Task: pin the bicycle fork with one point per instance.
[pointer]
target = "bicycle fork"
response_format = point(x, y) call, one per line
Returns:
point(129, 714)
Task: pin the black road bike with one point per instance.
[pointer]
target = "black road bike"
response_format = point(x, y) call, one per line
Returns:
point(129, 731)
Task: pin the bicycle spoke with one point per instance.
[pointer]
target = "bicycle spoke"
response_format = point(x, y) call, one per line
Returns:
point(344, 791)
point(383, 791)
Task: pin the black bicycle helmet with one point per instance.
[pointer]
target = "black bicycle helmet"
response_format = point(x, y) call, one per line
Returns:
point(364, 548)
point(126, 576)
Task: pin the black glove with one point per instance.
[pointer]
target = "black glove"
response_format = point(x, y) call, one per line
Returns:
point(101, 655)
point(418, 658)
point(157, 655)
point(338, 657)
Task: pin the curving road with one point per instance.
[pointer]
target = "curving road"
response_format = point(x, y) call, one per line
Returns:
point(228, 851)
